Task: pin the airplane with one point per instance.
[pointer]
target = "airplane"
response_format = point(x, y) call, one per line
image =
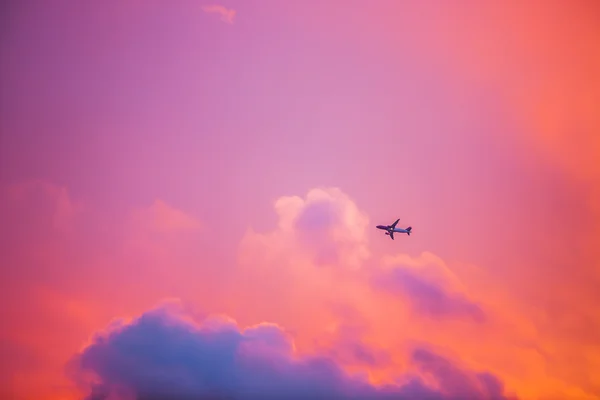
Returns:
point(390, 229)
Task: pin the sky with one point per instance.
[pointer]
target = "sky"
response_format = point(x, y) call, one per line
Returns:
point(189, 192)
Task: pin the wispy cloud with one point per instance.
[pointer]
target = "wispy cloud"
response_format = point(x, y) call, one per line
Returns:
point(161, 217)
point(64, 209)
point(227, 14)
point(429, 287)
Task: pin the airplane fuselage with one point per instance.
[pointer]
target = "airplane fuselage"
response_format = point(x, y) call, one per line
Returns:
point(387, 228)
point(391, 229)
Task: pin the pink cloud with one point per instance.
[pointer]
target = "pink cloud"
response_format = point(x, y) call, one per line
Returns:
point(64, 208)
point(348, 345)
point(227, 14)
point(318, 247)
point(429, 286)
point(428, 298)
point(161, 217)
point(325, 227)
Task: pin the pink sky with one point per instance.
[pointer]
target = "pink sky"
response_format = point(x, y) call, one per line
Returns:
point(236, 156)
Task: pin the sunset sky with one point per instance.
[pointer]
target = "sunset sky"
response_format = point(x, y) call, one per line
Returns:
point(189, 192)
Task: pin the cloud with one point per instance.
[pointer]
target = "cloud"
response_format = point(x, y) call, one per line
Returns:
point(167, 242)
point(317, 260)
point(159, 234)
point(35, 192)
point(164, 354)
point(318, 247)
point(227, 14)
point(326, 227)
point(427, 285)
point(22, 360)
point(39, 220)
point(160, 217)
point(348, 344)
point(456, 382)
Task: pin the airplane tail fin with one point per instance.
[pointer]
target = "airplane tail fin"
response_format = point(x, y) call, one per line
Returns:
point(408, 230)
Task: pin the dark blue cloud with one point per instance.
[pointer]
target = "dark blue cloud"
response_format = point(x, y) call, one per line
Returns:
point(163, 355)
point(428, 298)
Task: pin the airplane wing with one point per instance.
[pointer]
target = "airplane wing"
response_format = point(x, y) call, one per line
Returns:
point(392, 235)
point(395, 223)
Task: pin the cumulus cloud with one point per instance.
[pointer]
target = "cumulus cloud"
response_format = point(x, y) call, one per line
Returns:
point(227, 14)
point(318, 258)
point(326, 227)
point(164, 354)
point(309, 261)
point(428, 286)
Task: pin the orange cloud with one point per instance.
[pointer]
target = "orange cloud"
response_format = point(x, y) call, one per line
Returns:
point(227, 14)
point(321, 247)
point(40, 222)
point(544, 70)
point(546, 67)
point(285, 264)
